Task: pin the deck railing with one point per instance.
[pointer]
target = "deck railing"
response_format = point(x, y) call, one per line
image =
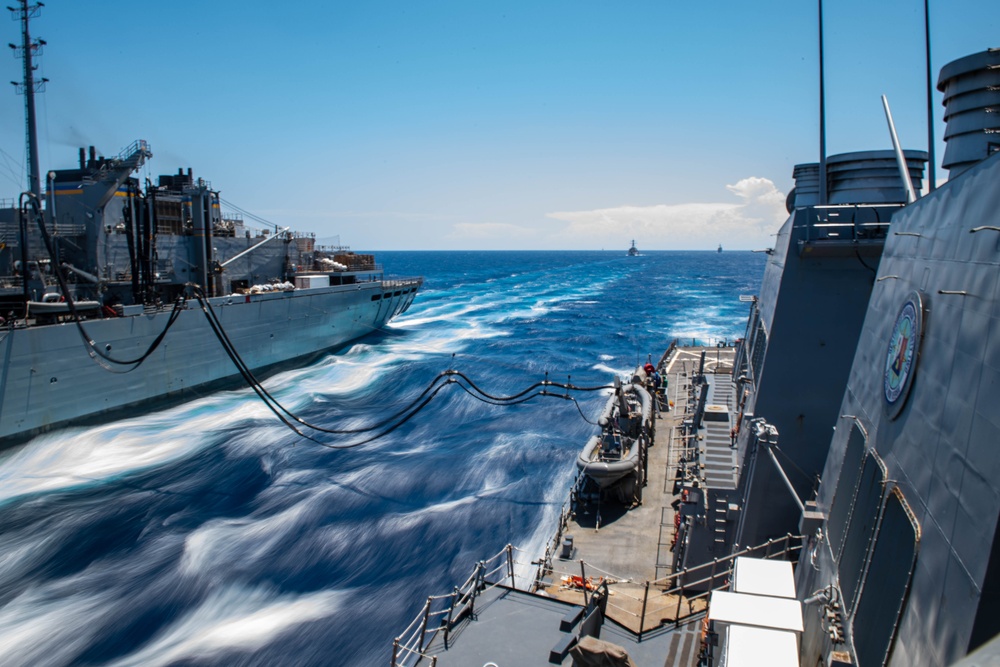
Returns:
point(712, 576)
point(393, 283)
point(666, 355)
point(11, 231)
point(688, 588)
point(441, 613)
point(849, 222)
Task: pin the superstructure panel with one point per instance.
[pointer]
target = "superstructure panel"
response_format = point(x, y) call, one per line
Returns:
point(939, 447)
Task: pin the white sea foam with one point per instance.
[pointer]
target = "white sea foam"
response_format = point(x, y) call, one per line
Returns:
point(41, 627)
point(209, 548)
point(533, 546)
point(432, 315)
point(82, 457)
point(233, 620)
point(616, 372)
point(406, 520)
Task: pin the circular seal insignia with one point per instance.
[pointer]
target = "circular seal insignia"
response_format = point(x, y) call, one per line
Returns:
point(901, 357)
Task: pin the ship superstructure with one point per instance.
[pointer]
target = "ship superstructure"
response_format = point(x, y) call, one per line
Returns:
point(910, 499)
point(893, 356)
point(803, 329)
point(102, 278)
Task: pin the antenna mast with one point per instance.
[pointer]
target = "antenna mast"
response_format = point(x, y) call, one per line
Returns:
point(28, 86)
point(822, 117)
point(931, 161)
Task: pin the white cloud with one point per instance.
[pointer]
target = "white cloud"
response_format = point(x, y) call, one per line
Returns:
point(745, 224)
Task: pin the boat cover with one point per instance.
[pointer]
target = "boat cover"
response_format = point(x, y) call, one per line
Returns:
point(591, 652)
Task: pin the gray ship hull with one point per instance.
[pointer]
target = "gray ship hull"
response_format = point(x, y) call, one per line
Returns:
point(49, 379)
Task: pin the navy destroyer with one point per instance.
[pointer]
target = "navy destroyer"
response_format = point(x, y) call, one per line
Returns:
point(761, 539)
point(99, 271)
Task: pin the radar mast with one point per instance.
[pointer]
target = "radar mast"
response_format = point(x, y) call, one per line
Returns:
point(29, 48)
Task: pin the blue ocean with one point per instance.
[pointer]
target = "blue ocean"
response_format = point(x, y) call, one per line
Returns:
point(210, 534)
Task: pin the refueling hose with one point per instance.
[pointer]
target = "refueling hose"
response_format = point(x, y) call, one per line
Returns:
point(401, 416)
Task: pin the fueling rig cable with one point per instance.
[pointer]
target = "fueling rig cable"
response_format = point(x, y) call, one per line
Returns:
point(394, 421)
point(288, 418)
point(106, 361)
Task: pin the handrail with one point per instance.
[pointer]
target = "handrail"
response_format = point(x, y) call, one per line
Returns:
point(58, 229)
point(849, 222)
point(415, 642)
point(400, 282)
point(666, 355)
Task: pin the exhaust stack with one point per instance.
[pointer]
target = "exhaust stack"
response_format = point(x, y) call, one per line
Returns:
point(971, 87)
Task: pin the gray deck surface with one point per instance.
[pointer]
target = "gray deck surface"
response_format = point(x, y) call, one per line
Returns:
point(517, 629)
point(621, 544)
point(509, 628)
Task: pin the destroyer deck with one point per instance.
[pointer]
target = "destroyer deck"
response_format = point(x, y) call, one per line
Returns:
point(510, 625)
point(629, 548)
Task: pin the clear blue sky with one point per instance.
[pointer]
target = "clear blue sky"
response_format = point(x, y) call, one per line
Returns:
point(487, 125)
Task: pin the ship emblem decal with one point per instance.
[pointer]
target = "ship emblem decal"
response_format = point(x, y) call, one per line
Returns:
point(901, 357)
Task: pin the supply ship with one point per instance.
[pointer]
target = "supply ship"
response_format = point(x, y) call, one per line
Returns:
point(825, 490)
point(98, 279)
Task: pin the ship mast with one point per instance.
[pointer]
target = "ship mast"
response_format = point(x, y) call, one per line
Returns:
point(932, 160)
point(28, 86)
point(822, 116)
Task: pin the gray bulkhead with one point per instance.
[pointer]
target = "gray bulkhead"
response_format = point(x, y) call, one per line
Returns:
point(937, 458)
point(50, 379)
point(811, 306)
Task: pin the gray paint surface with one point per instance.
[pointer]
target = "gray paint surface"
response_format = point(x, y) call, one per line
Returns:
point(812, 305)
point(941, 451)
point(49, 378)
